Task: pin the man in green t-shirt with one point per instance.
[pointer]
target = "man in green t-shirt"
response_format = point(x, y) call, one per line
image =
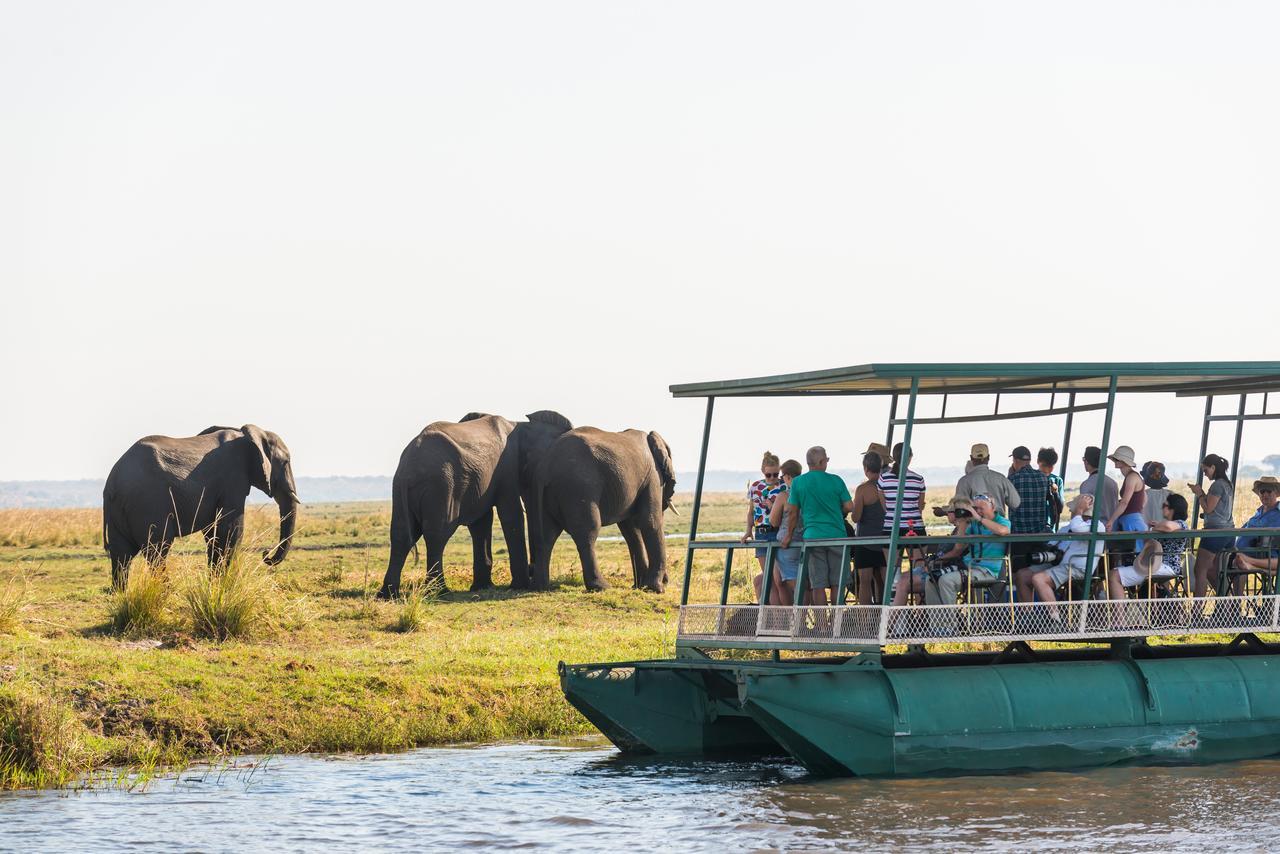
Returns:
point(820, 499)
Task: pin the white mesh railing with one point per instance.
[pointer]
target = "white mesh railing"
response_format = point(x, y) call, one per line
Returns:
point(996, 622)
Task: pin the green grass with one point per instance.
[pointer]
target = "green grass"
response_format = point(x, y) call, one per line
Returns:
point(320, 665)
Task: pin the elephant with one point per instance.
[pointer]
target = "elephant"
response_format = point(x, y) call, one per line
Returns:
point(163, 488)
point(590, 478)
point(455, 474)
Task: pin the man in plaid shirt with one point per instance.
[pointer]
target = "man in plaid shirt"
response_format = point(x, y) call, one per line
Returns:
point(1031, 515)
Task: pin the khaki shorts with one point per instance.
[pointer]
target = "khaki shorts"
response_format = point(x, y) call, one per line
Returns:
point(824, 566)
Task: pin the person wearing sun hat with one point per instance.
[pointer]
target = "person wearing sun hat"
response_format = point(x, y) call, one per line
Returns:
point(881, 451)
point(1128, 514)
point(1261, 554)
point(1157, 482)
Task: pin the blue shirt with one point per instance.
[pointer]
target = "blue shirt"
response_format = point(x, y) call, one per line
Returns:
point(988, 556)
point(1262, 519)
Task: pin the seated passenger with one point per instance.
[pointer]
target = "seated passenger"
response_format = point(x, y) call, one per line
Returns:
point(981, 519)
point(1268, 516)
point(786, 563)
point(1045, 578)
point(1147, 567)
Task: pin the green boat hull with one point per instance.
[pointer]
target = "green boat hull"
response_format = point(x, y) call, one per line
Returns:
point(938, 715)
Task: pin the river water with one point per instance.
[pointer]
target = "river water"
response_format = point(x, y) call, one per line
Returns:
point(581, 795)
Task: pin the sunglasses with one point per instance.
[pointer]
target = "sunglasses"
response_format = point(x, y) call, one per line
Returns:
point(770, 475)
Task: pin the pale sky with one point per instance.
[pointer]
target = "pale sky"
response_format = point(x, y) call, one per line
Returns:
point(343, 221)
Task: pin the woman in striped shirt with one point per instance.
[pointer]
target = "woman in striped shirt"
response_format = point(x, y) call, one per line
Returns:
point(911, 523)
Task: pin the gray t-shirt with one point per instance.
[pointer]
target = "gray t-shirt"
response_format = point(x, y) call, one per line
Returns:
point(1110, 495)
point(1153, 510)
point(1221, 516)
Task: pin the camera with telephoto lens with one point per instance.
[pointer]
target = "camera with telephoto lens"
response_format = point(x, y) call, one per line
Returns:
point(1050, 556)
point(963, 514)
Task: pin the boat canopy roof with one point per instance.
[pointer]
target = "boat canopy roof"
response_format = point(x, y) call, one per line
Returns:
point(1192, 379)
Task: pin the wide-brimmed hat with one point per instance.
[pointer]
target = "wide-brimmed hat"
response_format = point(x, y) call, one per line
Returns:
point(1268, 483)
point(1123, 454)
point(1153, 474)
point(1150, 558)
point(882, 451)
point(980, 452)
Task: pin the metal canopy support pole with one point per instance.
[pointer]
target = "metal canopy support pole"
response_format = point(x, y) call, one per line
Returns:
point(1204, 449)
point(697, 500)
point(1097, 487)
point(1066, 438)
point(892, 569)
point(893, 415)
point(1235, 448)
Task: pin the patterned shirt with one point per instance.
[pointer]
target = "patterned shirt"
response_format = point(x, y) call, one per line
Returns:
point(1052, 517)
point(759, 494)
point(1031, 515)
point(912, 494)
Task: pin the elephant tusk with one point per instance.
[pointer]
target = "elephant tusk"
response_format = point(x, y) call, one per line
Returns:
point(673, 509)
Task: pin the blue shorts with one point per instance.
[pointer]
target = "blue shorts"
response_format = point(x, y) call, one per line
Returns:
point(787, 562)
point(1217, 544)
point(769, 536)
point(1132, 522)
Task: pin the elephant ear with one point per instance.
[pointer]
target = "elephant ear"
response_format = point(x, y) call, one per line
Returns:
point(206, 431)
point(550, 416)
point(473, 416)
point(662, 458)
point(258, 437)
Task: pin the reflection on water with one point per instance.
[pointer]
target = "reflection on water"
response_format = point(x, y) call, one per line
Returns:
point(582, 796)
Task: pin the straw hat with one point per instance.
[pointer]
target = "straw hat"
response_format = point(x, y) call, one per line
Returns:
point(882, 451)
point(1149, 559)
point(1124, 454)
point(1268, 483)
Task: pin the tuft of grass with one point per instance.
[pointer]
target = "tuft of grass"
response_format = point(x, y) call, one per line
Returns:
point(13, 601)
point(413, 608)
point(42, 742)
point(139, 608)
point(233, 603)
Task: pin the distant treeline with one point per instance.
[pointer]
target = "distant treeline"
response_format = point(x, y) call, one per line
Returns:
point(316, 490)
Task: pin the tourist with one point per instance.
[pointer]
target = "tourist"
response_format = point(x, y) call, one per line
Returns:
point(1260, 553)
point(979, 479)
point(1127, 515)
point(1216, 505)
point(760, 499)
point(984, 557)
point(1153, 566)
point(1157, 490)
point(910, 522)
point(1105, 504)
point(868, 517)
point(1031, 515)
point(1045, 578)
point(1046, 460)
point(817, 502)
point(786, 563)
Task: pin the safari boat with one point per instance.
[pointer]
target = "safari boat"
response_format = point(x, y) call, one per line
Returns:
point(863, 689)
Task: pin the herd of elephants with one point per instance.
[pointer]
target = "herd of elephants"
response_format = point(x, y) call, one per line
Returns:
point(561, 478)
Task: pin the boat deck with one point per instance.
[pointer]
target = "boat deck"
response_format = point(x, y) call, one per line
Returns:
point(860, 626)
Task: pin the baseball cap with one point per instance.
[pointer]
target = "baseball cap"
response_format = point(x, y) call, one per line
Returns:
point(1022, 452)
point(980, 452)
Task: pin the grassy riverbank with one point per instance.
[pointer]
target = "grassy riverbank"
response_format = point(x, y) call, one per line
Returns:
point(323, 667)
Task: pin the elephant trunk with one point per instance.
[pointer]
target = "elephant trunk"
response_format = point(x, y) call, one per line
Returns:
point(288, 523)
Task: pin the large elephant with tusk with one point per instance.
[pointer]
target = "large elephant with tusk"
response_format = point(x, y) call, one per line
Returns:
point(164, 488)
point(589, 478)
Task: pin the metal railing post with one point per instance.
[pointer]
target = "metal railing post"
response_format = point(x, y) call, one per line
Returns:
point(1066, 439)
point(893, 414)
point(697, 501)
point(766, 584)
point(1235, 448)
point(1204, 449)
point(891, 570)
point(1097, 489)
point(724, 584)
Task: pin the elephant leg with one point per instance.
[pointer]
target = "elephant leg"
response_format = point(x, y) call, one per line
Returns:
point(655, 546)
point(635, 548)
point(482, 551)
point(546, 545)
point(121, 550)
point(513, 532)
point(404, 534)
point(586, 543)
point(435, 564)
point(221, 540)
